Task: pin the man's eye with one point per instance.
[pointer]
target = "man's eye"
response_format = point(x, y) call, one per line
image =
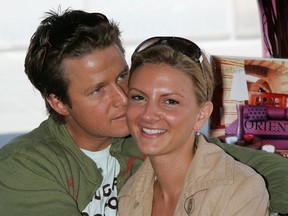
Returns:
point(124, 76)
point(98, 89)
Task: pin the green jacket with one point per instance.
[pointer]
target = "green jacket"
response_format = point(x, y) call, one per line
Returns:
point(45, 173)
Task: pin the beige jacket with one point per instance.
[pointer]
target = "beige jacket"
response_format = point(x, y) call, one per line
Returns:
point(215, 184)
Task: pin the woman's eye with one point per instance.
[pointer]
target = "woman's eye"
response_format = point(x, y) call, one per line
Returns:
point(171, 101)
point(137, 98)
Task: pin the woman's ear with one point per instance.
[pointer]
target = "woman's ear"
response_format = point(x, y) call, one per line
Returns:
point(205, 113)
point(57, 104)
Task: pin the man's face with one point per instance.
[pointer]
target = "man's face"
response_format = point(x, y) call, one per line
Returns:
point(97, 91)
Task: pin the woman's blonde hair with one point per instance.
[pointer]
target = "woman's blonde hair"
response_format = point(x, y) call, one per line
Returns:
point(200, 73)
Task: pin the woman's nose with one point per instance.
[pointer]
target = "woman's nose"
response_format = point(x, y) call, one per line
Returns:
point(151, 112)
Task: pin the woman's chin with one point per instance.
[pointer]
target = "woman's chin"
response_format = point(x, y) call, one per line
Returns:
point(148, 151)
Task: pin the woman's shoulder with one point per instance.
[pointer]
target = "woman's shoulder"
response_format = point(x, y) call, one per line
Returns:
point(239, 171)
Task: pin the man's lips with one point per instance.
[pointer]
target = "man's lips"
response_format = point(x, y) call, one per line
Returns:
point(120, 117)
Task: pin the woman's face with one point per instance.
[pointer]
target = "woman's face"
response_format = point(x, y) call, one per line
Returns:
point(162, 113)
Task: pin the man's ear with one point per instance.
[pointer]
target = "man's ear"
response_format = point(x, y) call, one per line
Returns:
point(57, 105)
point(205, 114)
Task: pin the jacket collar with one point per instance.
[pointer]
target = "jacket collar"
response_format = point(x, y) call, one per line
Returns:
point(210, 167)
point(87, 165)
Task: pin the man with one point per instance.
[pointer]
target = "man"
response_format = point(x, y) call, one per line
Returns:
point(77, 160)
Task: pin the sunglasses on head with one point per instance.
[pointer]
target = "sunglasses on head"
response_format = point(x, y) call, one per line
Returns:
point(182, 45)
point(179, 44)
point(58, 36)
point(62, 32)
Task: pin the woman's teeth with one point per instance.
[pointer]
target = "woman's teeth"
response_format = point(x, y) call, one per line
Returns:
point(153, 131)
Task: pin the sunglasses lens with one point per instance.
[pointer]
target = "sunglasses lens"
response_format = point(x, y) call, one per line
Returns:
point(186, 47)
point(147, 44)
point(182, 45)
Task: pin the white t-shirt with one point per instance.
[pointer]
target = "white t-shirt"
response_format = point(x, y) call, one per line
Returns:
point(104, 202)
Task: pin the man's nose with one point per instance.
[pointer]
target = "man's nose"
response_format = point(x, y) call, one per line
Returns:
point(120, 97)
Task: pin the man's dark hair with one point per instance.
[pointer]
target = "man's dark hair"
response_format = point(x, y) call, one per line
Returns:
point(71, 34)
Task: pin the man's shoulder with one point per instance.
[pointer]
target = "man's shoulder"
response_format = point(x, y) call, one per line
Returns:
point(130, 147)
point(39, 151)
point(38, 140)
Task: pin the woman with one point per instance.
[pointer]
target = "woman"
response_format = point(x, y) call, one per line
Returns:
point(169, 100)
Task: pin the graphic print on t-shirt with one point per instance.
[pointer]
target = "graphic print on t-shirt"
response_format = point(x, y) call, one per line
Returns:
point(104, 202)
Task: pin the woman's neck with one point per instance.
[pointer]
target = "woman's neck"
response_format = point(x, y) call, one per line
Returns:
point(170, 173)
point(169, 181)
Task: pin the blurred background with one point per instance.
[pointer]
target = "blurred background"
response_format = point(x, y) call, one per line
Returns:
point(220, 27)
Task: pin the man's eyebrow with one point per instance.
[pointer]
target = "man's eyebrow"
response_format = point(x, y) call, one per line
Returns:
point(93, 87)
point(126, 69)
